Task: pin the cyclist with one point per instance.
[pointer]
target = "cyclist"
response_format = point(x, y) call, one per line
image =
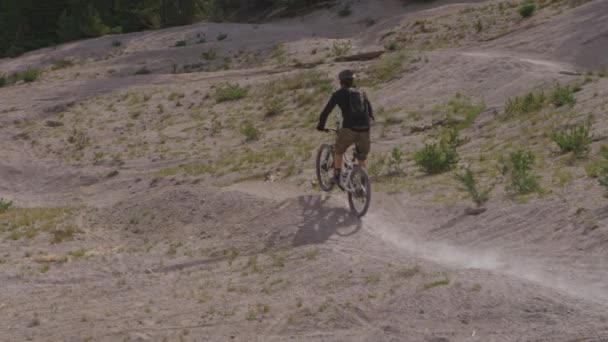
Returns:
point(357, 114)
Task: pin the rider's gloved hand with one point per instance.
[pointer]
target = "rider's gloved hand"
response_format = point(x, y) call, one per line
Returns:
point(320, 128)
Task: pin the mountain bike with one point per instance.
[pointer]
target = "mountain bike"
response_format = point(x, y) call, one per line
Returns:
point(354, 180)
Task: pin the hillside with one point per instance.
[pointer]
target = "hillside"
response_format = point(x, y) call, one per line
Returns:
point(162, 182)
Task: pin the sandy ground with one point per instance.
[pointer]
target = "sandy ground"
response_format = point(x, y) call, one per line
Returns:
point(119, 239)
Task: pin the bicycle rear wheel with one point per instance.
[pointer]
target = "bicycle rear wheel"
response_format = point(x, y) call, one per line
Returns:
point(325, 167)
point(360, 199)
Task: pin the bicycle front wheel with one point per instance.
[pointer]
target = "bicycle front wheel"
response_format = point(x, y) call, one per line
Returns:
point(360, 198)
point(325, 167)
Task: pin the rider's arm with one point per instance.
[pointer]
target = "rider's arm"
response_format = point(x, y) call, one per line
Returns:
point(328, 108)
point(371, 110)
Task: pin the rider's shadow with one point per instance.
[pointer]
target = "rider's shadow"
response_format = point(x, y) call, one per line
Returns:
point(321, 220)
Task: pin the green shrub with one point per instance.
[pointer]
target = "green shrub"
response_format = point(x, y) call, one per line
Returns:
point(563, 95)
point(222, 36)
point(29, 75)
point(389, 165)
point(469, 182)
point(527, 9)
point(526, 104)
point(345, 11)
point(389, 67)
point(79, 139)
point(523, 180)
point(116, 43)
point(230, 92)
point(603, 170)
point(250, 132)
point(576, 139)
point(209, 55)
point(142, 71)
point(3, 80)
point(436, 158)
point(274, 106)
point(341, 48)
point(4, 205)
point(180, 43)
point(392, 46)
point(463, 108)
point(62, 64)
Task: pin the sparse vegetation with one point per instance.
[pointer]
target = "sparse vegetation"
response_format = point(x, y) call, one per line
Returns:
point(467, 179)
point(79, 139)
point(389, 67)
point(345, 11)
point(29, 75)
point(527, 8)
point(576, 139)
point(519, 165)
point(66, 234)
point(116, 43)
point(389, 165)
point(274, 106)
point(209, 55)
point(436, 157)
point(463, 109)
point(341, 48)
point(563, 95)
point(438, 283)
point(526, 104)
point(221, 36)
point(142, 71)
point(230, 92)
point(62, 64)
point(250, 132)
point(603, 168)
point(180, 43)
point(5, 205)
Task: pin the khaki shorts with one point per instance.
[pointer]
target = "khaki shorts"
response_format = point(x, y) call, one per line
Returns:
point(347, 137)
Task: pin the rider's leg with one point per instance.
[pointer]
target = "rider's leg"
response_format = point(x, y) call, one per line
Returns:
point(363, 148)
point(344, 139)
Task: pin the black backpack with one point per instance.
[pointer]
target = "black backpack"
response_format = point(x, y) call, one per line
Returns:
point(358, 108)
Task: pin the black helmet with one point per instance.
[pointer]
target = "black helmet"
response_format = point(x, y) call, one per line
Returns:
point(347, 75)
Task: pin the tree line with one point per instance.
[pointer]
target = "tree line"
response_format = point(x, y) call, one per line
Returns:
point(31, 24)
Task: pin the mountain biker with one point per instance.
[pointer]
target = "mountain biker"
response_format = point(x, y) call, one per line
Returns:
point(357, 114)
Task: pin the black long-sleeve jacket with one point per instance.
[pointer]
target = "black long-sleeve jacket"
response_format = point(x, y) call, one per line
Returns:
point(341, 98)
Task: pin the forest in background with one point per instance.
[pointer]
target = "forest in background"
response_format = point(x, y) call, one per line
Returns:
point(31, 24)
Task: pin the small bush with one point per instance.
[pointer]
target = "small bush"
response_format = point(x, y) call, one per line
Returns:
point(469, 182)
point(523, 181)
point(79, 139)
point(436, 158)
point(180, 43)
point(274, 106)
point(392, 46)
point(563, 95)
point(463, 108)
point(29, 75)
point(341, 48)
point(209, 55)
point(116, 43)
point(142, 71)
point(62, 64)
point(527, 9)
point(3, 80)
point(478, 26)
point(576, 139)
point(603, 170)
point(4, 205)
point(526, 104)
point(389, 67)
point(221, 36)
point(250, 132)
point(230, 92)
point(345, 11)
